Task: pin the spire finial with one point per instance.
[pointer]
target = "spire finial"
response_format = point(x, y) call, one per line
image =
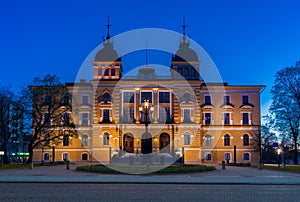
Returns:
point(108, 26)
point(184, 26)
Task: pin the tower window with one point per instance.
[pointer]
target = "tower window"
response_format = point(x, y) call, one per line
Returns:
point(99, 72)
point(106, 73)
point(113, 72)
point(186, 72)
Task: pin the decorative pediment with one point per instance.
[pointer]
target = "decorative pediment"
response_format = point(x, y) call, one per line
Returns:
point(247, 106)
point(227, 106)
point(207, 106)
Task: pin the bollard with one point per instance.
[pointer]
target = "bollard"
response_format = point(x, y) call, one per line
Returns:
point(223, 165)
point(68, 165)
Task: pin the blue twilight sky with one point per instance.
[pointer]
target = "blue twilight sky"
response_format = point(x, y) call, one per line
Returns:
point(248, 40)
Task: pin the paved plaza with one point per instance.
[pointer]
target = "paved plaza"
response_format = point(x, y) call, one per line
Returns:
point(231, 175)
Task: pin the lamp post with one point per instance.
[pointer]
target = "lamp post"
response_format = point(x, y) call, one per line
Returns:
point(278, 156)
point(145, 109)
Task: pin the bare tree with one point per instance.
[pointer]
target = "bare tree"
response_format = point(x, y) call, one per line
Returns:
point(47, 105)
point(286, 104)
point(6, 99)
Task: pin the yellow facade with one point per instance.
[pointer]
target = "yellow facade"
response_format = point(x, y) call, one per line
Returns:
point(206, 119)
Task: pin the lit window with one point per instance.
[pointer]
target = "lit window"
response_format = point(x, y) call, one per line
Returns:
point(105, 139)
point(207, 140)
point(246, 140)
point(187, 139)
point(85, 140)
point(226, 140)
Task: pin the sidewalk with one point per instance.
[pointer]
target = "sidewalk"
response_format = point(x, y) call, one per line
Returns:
point(231, 175)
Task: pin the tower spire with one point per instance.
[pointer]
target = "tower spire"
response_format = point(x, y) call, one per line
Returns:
point(108, 26)
point(184, 26)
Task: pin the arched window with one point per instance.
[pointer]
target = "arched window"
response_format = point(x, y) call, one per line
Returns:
point(207, 140)
point(84, 157)
point(105, 139)
point(66, 140)
point(85, 140)
point(187, 139)
point(106, 97)
point(246, 140)
point(226, 140)
point(46, 157)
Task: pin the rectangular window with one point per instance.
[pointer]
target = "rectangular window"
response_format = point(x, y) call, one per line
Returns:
point(66, 140)
point(187, 139)
point(66, 99)
point(226, 99)
point(106, 72)
point(85, 99)
point(85, 118)
point(207, 118)
point(245, 118)
point(226, 118)
point(128, 115)
point(246, 156)
point(227, 156)
point(207, 99)
point(128, 97)
point(186, 115)
point(65, 156)
point(245, 99)
point(100, 72)
point(47, 119)
point(113, 72)
point(164, 115)
point(106, 117)
point(66, 119)
point(208, 157)
point(146, 96)
point(164, 97)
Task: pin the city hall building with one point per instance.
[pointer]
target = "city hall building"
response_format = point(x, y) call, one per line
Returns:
point(178, 114)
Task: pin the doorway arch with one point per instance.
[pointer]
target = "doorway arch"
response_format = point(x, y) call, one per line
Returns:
point(146, 143)
point(128, 143)
point(164, 143)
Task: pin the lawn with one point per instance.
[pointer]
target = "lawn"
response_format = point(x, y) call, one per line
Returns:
point(186, 168)
point(12, 166)
point(290, 168)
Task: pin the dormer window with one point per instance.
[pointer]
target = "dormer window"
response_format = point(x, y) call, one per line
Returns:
point(113, 72)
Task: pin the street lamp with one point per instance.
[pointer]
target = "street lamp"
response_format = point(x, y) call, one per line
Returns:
point(278, 156)
point(145, 109)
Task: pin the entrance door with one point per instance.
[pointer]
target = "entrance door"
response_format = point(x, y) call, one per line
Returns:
point(146, 143)
point(128, 143)
point(164, 143)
